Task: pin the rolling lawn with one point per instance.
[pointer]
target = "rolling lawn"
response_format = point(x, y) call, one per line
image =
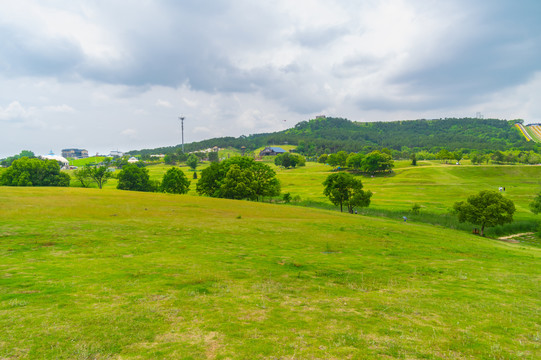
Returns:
point(107, 274)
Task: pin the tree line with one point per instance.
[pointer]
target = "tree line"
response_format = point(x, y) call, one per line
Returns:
point(330, 135)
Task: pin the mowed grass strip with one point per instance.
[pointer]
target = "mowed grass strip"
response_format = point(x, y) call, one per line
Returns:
point(90, 274)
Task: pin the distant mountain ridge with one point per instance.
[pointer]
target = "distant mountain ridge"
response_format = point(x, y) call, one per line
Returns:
point(328, 134)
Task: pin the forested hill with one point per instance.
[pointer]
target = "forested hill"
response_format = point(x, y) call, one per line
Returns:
point(325, 135)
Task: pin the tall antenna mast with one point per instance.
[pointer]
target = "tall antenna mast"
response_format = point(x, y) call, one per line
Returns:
point(182, 128)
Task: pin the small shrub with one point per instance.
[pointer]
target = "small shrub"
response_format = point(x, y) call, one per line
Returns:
point(287, 198)
point(416, 209)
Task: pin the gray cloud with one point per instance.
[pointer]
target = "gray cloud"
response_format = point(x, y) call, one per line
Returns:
point(258, 63)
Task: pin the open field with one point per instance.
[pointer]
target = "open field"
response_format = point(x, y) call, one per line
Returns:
point(431, 184)
point(90, 274)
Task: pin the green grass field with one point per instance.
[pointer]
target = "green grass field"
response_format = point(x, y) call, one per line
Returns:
point(90, 274)
point(109, 274)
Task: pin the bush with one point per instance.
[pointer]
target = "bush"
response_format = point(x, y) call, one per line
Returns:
point(134, 178)
point(175, 182)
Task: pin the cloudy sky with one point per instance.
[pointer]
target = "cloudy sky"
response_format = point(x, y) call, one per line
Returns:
point(116, 74)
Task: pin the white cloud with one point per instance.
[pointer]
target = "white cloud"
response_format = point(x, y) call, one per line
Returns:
point(163, 103)
point(14, 111)
point(60, 108)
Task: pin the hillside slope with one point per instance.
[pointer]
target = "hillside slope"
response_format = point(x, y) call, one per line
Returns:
point(332, 134)
point(118, 274)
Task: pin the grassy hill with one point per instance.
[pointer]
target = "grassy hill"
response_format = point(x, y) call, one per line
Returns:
point(89, 274)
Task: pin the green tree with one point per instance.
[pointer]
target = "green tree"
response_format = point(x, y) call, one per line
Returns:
point(413, 159)
point(444, 154)
point(377, 161)
point(258, 180)
point(99, 174)
point(83, 177)
point(192, 161)
point(285, 160)
point(288, 160)
point(344, 189)
point(170, 159)
point(488, 208)
point(457, 155)
point(355, 160)
point(338, 159)
point(213, 156)
point(134, 178)
point(322, 159)
point(34, 172)
point(175, 182)
point(535, 205)
point(237, 184)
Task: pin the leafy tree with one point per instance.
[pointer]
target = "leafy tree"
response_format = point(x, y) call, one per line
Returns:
point(258, 180)
point(498, 157)
point(345, 189)
point(170, 159)
point(488, 208)
point(100, 174)
point(237, 184)
point(377, 161)
point(355, 160)
point(322, 159)
point(535, 205)
point(288, 160)
point(175, 182)
point(413, 159)
point(457, 155)
point(83, 177)
point(34, 172)
point(444, 154)
point(333, 160)
point(476, 158)
point(265, 183)
point(213, 156)
point(134, 178)
point(192, 161)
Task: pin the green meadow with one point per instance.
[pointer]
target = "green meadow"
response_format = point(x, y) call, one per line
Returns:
point(109, 274)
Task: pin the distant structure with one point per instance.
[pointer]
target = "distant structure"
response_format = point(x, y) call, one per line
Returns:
point(321, 117)
point(272, 151)
point(75, 153)
point(133, 160)
point(181, 118)
point(62, 160)
point(116, 153)
point(478, 115)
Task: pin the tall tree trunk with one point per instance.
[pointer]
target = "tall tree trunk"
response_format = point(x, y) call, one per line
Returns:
point(483, 230)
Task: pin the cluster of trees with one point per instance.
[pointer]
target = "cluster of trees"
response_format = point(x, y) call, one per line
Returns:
point(376, 161)
point(289, 160)
point(9, 160)
point(235, 178)
point(34, 172)
point(135, 178)
point(239, 178)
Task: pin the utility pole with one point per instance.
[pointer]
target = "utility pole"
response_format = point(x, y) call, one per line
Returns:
point(182, 128)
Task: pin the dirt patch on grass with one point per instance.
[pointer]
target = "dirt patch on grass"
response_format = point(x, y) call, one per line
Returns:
point(517, 238)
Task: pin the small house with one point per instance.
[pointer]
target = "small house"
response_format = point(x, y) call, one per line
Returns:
point(271, 151)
